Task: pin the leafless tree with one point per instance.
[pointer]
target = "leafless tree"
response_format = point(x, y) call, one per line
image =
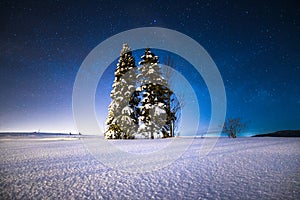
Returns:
point(233, 126)
point(176, 104)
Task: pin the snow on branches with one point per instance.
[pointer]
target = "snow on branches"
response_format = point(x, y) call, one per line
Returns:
point(141, 99)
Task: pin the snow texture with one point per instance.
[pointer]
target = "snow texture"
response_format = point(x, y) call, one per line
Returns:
point(62, 168)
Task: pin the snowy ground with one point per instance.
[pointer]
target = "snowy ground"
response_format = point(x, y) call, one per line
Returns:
point(63, 168)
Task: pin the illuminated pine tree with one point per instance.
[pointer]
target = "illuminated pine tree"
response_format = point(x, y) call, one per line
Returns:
point(154, 108)
point(121, 120)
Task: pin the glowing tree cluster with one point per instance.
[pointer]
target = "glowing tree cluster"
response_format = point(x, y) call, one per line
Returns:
point(141, 99)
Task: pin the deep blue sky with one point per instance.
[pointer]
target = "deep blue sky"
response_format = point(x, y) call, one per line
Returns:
point(255, 45)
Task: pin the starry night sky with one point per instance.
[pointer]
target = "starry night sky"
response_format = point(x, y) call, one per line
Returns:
point(255, 45)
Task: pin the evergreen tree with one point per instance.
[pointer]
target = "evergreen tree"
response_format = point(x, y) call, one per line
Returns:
point(154, 107)
point(121, 112)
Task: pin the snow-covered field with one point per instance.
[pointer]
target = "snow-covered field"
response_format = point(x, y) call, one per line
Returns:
point(64, 168)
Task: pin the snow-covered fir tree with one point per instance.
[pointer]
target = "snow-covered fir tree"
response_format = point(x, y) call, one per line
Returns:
point(154, 107)
point(122, 120)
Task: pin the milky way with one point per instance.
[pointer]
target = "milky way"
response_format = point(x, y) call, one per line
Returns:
point(255, 45)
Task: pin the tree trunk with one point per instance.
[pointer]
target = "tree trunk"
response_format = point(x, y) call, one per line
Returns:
point(152, 136)
point(171, 129)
